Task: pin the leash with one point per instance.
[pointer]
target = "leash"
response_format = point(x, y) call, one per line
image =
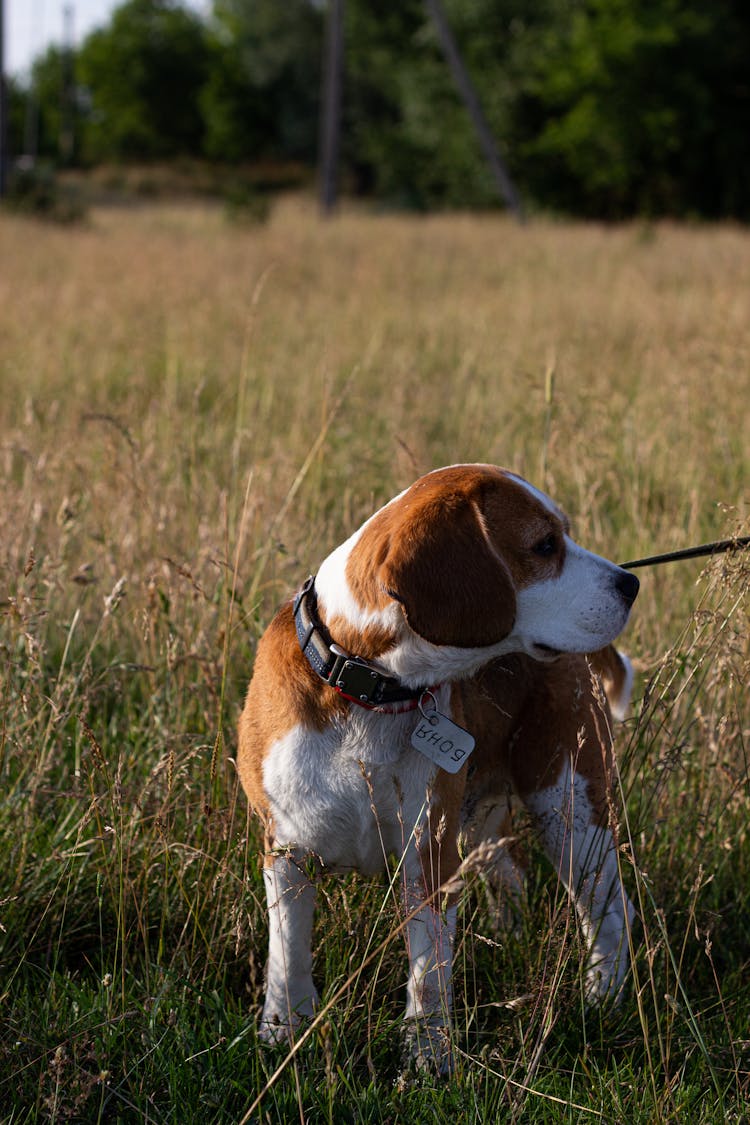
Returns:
point(705, 549)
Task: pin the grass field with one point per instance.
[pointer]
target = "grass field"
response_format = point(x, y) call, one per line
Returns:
point(192, 414)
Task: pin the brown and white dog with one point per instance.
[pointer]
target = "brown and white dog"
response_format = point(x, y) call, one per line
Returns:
point(463, 605)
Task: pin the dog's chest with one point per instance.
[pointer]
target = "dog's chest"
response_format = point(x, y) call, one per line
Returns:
point(349, 795)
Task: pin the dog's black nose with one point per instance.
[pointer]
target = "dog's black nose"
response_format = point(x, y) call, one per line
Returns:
point(628, 585)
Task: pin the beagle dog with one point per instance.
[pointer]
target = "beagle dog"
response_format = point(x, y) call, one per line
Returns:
point(430, 673)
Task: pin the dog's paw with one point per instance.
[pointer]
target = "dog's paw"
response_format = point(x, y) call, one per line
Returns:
point(604, 980)
point(608, 960)
point(427, 1050)
point(275, 1032)
point(281, 1020)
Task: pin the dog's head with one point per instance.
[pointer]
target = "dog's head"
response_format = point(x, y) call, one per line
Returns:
point(478, 558)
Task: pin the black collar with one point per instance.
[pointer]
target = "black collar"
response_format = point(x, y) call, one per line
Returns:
point(351, 676)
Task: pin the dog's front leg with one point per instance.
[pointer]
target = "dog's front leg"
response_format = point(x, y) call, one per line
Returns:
point(290, 993)
point(584, 851)
point(429, 991)
point(431, 893)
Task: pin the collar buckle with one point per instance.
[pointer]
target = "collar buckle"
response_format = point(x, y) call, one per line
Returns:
point(355, 678)
point(352, 676)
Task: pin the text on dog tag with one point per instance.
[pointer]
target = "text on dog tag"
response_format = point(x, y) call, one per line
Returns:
point(441, 740)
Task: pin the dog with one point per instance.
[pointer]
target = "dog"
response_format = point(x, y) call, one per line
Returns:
point(431, 672)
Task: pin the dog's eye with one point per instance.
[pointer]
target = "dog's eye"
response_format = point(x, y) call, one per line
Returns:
point(546, 547)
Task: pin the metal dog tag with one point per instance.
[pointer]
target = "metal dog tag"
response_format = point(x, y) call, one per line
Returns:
point(441, 740)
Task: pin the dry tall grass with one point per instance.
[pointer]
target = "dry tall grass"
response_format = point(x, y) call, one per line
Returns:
point(192, 415)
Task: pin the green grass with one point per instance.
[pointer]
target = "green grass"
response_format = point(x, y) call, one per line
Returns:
point(192, 415)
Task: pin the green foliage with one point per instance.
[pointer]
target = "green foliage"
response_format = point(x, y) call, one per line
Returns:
point(406, 135)
point(627, 106)
point(261, 97)
point(603, 108)
point(35, 190)
point(17, 103)
point(37, 131)
point(144, 72)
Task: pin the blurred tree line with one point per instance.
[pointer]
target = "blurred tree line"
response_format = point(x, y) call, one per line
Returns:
point(603, 108)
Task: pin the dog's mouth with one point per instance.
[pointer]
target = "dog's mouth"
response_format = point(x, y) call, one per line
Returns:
point(546, 652)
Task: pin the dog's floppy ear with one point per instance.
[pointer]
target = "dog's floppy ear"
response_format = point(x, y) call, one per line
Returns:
point(453, 587)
